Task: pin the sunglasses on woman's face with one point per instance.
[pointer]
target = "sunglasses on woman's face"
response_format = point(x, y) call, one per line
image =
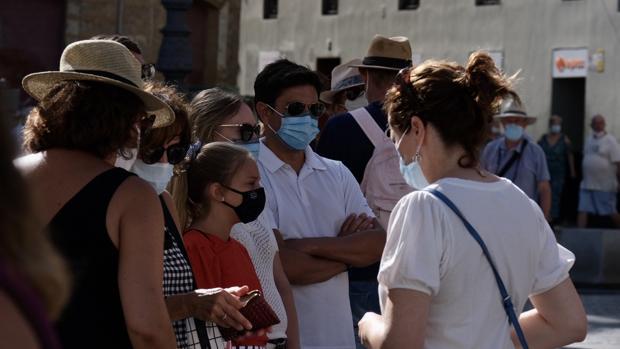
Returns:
point(246, 131)
point(148, 71)
point(298, 108)
point(175, 153)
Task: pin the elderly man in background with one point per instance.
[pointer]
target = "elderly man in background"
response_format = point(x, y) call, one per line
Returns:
point(601, 160)
point(517, 157)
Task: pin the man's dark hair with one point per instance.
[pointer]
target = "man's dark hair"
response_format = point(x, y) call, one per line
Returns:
point(121, 39)
point(280, 75)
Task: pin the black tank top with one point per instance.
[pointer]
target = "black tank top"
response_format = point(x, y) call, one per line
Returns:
point(93, 318)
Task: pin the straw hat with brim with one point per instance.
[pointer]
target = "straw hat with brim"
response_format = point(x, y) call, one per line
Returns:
point(387, 53)
point(511, 108)
point(343, 77)
point(104, 61)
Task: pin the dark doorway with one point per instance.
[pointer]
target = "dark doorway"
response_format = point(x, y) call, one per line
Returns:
point(326, 65)
point(568, 101)
point(203, 20)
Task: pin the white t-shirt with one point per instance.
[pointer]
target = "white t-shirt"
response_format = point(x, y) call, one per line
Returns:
point(600, 156)
point(315, 203)
point(257, 237)
point(429, 250)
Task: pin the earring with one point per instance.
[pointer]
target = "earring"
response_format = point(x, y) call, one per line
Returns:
point(417, 156)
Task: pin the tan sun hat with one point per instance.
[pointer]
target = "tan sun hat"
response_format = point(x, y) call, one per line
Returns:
point(104, 61)
point(511, 108)
point(343, 77)
point(387, 53)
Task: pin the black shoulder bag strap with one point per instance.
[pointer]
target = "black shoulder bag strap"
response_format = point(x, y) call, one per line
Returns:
point(506, 300)
point(515, 156)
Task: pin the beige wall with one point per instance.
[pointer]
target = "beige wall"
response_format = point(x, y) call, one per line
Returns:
point(525, 30)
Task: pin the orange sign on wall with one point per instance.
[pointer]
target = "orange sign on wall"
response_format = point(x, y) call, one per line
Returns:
point(570, 63)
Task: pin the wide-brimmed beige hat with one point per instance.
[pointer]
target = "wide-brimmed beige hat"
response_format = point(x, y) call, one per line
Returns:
point(343, 77)
point(104, 61)
point(387, 53)
point(512, 108)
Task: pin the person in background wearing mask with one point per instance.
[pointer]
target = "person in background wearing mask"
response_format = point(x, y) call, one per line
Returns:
point(347, 90)
point(223, 189)
point(350, 138)
point(600, 169)
point(516, 157)
point(160, 150)
point(316, 203)
point(218, 115)
point(557, 148)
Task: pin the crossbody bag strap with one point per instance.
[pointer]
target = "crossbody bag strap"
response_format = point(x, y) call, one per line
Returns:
point(373, 132)
point(506, 300)
point(515, 156)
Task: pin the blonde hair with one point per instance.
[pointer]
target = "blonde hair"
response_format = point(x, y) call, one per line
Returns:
point(216, 162)
point(209, 109)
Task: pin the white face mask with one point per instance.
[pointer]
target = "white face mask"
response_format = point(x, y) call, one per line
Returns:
point(157, 175)
point(357, 103)
point(126, 164)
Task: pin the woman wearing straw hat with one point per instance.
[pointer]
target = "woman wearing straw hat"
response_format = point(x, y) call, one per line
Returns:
point(107, 223)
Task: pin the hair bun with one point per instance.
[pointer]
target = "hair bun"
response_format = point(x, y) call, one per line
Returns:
point(487, 84)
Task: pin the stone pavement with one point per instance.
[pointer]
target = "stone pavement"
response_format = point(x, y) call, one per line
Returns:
point(603, 309)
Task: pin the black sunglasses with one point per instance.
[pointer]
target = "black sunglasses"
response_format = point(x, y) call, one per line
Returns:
point(298, 108)
point(354, 92)
point(248, 132)
point(175, 152)
point(148, 71)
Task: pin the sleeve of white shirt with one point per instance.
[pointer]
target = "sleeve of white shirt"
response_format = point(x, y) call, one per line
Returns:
point(355, 202)
point(414, 256)
point(614, 150)
point(554, 260)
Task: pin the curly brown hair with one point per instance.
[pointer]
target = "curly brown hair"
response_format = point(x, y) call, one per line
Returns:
point(84, 115)
point(458, 101)
point(180, 127)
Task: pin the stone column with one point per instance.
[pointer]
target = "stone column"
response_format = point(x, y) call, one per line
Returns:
point(175, 53)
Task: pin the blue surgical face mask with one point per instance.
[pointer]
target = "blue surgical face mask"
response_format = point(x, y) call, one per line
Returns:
point(513, 132)
point(555, 128)
point(297, 131)
point(253, 147)
point(412, 172)
point(158, 175)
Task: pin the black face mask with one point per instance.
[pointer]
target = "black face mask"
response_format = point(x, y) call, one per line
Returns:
point(252, 205)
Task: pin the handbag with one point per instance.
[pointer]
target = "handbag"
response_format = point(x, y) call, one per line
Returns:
point(257, 311)
point(506, 300)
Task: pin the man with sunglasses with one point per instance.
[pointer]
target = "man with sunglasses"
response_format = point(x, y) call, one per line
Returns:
point(349, 138)
point(317, 205)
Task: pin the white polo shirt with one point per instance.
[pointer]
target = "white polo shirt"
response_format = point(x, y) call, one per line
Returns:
point(315, 203)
